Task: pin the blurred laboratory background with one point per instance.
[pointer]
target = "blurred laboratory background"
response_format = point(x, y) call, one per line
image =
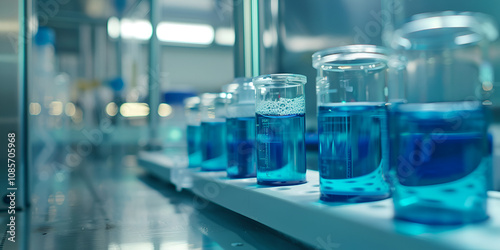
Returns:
point(88, 84)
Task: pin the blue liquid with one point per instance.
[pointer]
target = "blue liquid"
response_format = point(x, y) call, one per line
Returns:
point(351, 141)
point(281, 153)
point(439, 158)
point(240, 147)
point(213, 146)
point(193, 135)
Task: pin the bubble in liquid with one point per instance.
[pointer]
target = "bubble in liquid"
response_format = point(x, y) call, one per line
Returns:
point(283, 106)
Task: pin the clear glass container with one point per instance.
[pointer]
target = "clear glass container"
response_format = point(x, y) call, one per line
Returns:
point(438, 119)
point(352, 122)
point(193, 131)
point(240, 123)
point(280, 129)
point(213, 130)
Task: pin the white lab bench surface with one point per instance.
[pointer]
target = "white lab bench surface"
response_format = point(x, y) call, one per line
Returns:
point(297, 211)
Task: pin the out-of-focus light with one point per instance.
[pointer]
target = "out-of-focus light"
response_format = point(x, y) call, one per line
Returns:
point(144, 30)
point(202, 34)
point(111, 109)
point(113, 27)
point(131, 109)
point(345, 67)
point(35, 108)
point(70, 109)
point(175, 135)
point(9, 26)
point(267, 39)
point(135, 29)
point(59, 198)
point(56, 108)
point(164, 110)
point(487, 86)
point(224, 36)
point(78, 117)
point(127, 28)
point(50, 200)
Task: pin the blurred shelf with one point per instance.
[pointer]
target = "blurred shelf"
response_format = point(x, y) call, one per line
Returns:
point(296, 211)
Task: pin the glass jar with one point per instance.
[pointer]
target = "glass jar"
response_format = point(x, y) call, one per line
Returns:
point(280, 129)
point(193, 131)
point(439, 149)
point(213, 130)
point(240, 123)
point(351, 91)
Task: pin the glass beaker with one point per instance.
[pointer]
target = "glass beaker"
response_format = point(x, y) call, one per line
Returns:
point(280, 129)
point(352, 122)
point(240, 123)
point(213, 130)
point(193, 131)
point(439, 149)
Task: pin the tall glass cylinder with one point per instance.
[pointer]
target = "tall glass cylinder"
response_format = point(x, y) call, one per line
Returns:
point(280, 129)
point(193, 131)
point(351, 93)
point(439, 149)
point(240, 123)
point(213, 129)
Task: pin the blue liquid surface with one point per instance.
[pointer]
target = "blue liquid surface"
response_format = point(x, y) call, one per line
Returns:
point(214, 151)
point(281, 154)
point(193, 135)
point(351, 141)
point(240, 147)
point(439, 158)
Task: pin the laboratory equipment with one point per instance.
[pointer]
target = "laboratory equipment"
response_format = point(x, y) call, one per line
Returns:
point(193, 131)
point(240, 111)
point(213, 131)
point(439, 149)
point(172, 120)
point(280, 129)
point(350, 85)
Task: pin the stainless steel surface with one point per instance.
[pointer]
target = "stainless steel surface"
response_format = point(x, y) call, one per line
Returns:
point(110, 203)
point(256, 28)
point(247, 53)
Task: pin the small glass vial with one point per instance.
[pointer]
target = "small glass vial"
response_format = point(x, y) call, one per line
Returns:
point(280, 129)
point(240, 123)
point(439, 147)
point(352, 125)
point(193, 131)
point(213, 130)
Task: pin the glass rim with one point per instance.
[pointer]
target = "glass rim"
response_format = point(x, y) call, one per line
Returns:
point(240, 80)
point(478, 23)
point(230, 87)
point(192, 102)
point(279, 80)
point(244, 83)
point(349, 53)
point(207, 99)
